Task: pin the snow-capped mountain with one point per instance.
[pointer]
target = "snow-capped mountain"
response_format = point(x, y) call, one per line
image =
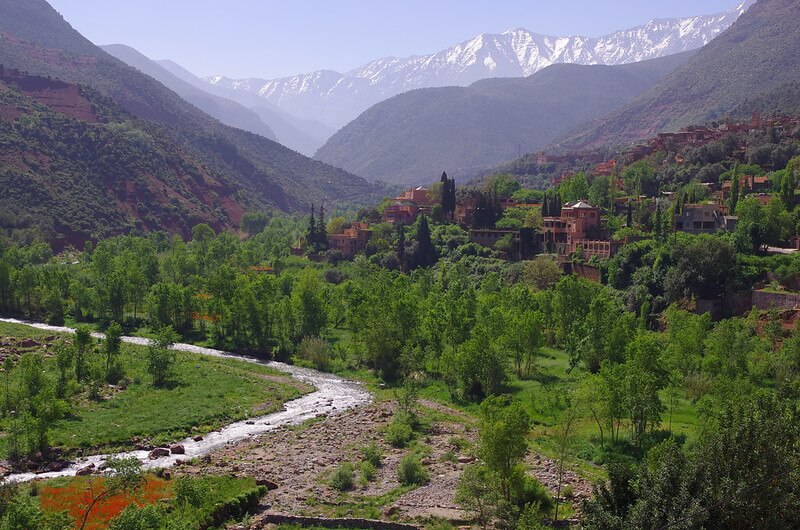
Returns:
point(335, 98)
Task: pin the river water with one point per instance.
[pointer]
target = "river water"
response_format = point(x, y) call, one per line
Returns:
point(333, 395)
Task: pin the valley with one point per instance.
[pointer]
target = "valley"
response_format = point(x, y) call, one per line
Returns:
point(524, 282)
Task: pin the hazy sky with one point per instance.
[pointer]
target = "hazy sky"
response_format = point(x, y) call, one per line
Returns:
point(269, 38)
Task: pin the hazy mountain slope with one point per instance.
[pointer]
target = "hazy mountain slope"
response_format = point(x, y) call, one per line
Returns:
point(336, 98)
point(259, 172)
point(415, 136)
point(227, 111)
point(77, 166)
point(304, 136)
point(757, 56)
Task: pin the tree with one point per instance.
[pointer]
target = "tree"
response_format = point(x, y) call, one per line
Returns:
point(83, 341)
point(593, 397)
point(502, 441)
point(254, 222)
point(127, 477)
point(543, 272)
point(401, 246)
point(309, 307)
point(734, 198)
point(425, 253)
point(476, 493)
point(645, 377)
point(629, 216)
point(111, 347)
point(161, 357)
point(448, 196)
point(523, 339)
point(564, 434)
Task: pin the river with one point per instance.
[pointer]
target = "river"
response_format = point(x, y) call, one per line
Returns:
point(333, 395)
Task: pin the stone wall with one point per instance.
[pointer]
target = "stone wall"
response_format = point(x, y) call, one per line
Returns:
point(324, 522)
point(765, 300)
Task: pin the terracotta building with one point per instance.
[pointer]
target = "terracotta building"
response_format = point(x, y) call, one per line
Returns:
point(406, 207)
point(352, 240)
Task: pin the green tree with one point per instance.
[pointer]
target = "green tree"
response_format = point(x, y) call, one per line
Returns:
point(502, 441)
point(161, 357)
point(111, 347)
point(645, 377)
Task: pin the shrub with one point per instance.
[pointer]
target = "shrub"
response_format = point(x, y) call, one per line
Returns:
point(368, 472)
point(399, 434)
point(135, 518)
point(343, 478)
point(411, 472)
point(372, 454)
point(315, 351)
point(189, 492)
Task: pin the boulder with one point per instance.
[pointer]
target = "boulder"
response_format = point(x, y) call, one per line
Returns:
point(85, 471)
point(54, 466)
point(270, 485)
point(465, 459)
point(28, 343)
point(177, 449)
point(158, 452)
point(198, 438)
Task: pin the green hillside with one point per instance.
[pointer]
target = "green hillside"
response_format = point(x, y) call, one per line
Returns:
point(256, 172)
point(415, 136)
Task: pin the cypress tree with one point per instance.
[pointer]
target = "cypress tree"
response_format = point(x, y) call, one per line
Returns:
point(425, 254)
point(629, 220)
point(734, 198)
point(401, 246)
point(322, 230)
point(658, 223)
point(311, 235)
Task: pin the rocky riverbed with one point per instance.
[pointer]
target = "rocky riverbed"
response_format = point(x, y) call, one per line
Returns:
point(333, 395)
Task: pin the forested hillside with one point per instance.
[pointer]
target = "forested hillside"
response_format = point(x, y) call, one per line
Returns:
point(755, 57)
point(36, 39)
point(415, 136)
point(90, 169)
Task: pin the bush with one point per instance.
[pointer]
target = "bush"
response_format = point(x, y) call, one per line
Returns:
point(399, 434)
point(368, 473)
point(411, 472)
point(343, 478)
point(135, 518)
point(534, 493)
point(372, 454)
point(189, 492)
point(315, 351)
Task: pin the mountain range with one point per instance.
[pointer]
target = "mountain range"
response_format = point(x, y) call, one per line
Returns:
point(199, 168)
point(337, 98)
point(413, 137)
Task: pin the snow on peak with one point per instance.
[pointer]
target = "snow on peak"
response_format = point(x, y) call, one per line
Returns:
point(336, 98)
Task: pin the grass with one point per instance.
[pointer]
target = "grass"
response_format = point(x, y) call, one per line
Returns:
point(207, 394)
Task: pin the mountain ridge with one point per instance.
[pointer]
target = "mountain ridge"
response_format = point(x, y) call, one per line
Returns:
point(412, 137)
point(252, 172)
point(757, 55)
point(337, 98)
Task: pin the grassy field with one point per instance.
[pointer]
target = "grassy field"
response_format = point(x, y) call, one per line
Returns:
point(207, 394)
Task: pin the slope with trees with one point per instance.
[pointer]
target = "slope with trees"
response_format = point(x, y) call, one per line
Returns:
point(411, 137)
point(758, 55)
